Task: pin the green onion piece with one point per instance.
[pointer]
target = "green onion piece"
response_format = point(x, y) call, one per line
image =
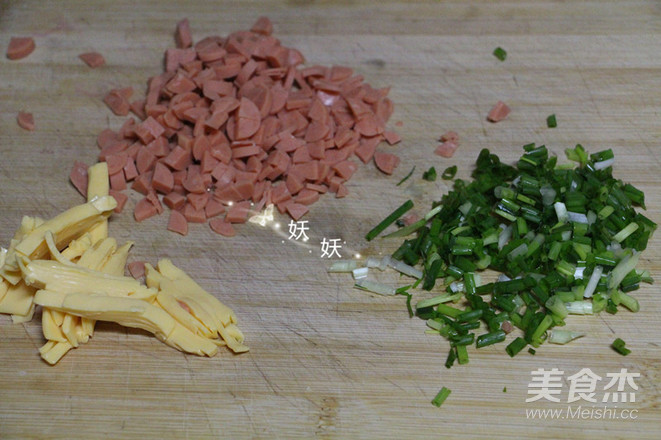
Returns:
point(448, 311)
point(449, 173)
point(430, 302)
point(471, 315)
point(397, 213)
point(563, 336)
point(463, 340)
point(626, 265)
point(579, 307)
point(440, 397)
point(627, 301)
point(626, 232)
point(490, 338)
point(532, 351)
point(557, 306)
point(452, 356)
point(462, 354)
point(429, 175)
point(551, 121)
point(536, 338)
point(406, 177)
point(514, 347)
point(619, 346)
point(500, 53)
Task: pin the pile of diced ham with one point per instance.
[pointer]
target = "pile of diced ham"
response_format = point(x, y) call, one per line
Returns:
point(237, 123)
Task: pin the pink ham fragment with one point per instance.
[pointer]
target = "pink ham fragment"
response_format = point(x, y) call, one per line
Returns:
point(25, 120)
point(222, 227)
point(20, 47)
point(92, 59)
point(446, 149)
point(177, 223)
point(136, 269)
point(498, 112)
point(78, 177)
point(386, 162)
point(121, 199)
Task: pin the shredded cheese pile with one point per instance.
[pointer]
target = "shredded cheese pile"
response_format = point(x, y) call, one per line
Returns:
point(70, 267)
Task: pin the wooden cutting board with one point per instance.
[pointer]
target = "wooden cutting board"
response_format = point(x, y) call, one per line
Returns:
point(327, 360)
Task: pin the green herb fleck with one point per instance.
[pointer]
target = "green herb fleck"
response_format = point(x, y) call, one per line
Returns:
point(407, 176)
point(449, 173)
point(619, 346)
point(551, 121)
point(429, 175)
point(500, 53)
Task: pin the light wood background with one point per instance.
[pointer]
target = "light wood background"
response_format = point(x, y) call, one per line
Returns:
point(327, 360)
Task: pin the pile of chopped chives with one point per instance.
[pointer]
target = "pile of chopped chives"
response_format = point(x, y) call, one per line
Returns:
point(566, 240)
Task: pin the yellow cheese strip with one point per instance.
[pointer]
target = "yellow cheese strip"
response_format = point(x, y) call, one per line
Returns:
point(97, 255)
point(69, 329)
point(117, 262)
point(172, 306)
point(189, 287)
point(4, 287)
point(202, 305)
point(98, 186)
point(128, 312)
point(65, 227)
point(18, 299)
point(20, 319)
point(10, 271)
point(75, 279)
point(50, 327)
point(53, 351)
point(77, 247)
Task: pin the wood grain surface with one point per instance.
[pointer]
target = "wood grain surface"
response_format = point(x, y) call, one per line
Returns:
point(327, 360)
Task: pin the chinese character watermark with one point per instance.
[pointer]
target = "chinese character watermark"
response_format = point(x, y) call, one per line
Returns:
point(297, 230)
point(548, 384)
point(330, 247)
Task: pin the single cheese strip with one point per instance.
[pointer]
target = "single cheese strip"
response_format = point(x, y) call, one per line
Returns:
point(65, 227)
point(50, 328)
point(96, 256)
point(20, 319)
point(117, 261)
point(18, 299)
point(77, 247)
point(53, 351)
point(69, 329)
point(98, 185)
point(129, 312)
point(74, 279)
point(11, 272)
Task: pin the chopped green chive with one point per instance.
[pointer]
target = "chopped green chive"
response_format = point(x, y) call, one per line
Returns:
point(500, 53)
point(551, 121)
point(407, 176)
point(449, 173)
point(430, 174)
point(619, 346)
point(516, 346)
point(397, 213)
point(440, 397)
